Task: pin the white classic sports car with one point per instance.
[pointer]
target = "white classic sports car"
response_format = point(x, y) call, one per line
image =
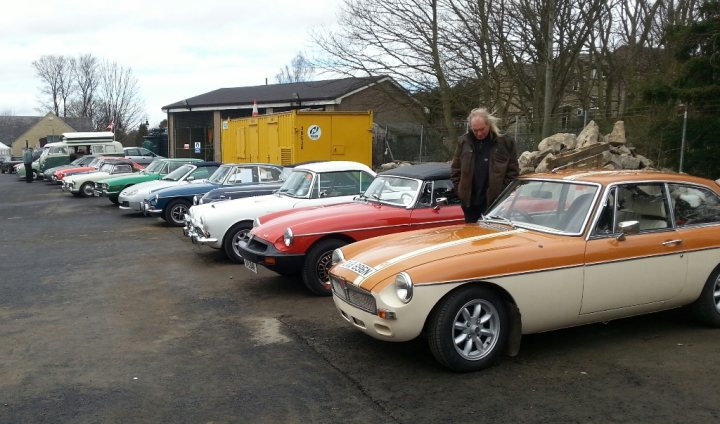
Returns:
point(222, 225)
point(83, 184)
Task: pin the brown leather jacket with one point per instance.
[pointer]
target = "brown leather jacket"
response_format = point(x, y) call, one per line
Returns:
point(503, 167)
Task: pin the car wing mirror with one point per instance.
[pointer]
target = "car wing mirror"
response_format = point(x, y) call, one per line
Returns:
point(628, 228)
point(440, 201)
point(190, 179)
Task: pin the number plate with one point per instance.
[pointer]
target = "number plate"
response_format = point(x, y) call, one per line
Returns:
point(252, 266)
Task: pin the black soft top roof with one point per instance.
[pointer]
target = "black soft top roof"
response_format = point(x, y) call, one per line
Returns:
point(423, 171)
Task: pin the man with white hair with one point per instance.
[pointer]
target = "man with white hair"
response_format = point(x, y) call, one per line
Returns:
point(484, 163)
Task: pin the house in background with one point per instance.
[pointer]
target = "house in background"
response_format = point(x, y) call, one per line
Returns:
point(199, 118)
point(38, 130)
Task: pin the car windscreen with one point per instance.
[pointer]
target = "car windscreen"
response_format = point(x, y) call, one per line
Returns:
point(154, 167)
point(107, 167)
point(555, 206)
point(220, 174)
point(178, 173)
point(392, 190)
point(298, 184)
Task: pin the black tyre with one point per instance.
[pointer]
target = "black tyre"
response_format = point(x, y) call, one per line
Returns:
point(706, 308)
point(86, 190)
point(236, 233)
point(317, 263)
point(468, 331)
point(174, 212)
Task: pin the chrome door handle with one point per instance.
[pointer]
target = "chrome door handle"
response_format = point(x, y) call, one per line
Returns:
point(672, 242)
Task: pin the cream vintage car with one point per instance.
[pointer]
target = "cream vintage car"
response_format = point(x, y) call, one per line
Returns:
point(555, 251)
point(83, 184)
point(222, 225)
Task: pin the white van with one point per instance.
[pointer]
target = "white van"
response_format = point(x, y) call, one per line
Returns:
point(76, 144)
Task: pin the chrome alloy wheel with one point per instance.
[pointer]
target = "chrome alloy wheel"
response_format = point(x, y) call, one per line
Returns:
point(177, 213)
point(475, 329)
point(237, 238)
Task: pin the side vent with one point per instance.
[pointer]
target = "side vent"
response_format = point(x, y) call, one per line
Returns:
point(285, 156)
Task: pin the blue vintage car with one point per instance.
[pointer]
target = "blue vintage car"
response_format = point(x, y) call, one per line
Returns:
point(254, 179)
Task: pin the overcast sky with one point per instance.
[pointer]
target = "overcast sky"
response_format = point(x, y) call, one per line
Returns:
point(176, 48)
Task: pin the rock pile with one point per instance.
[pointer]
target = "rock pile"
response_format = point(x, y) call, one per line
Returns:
point(587, 149)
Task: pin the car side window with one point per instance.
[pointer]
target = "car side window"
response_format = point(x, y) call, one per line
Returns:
point(122, 168)
point(268, 174)
point(202, 172)
point(146, 152)
point(694, 205)
point(347, 183)
point(241, 175)
point(132, 152)
point(645, 203)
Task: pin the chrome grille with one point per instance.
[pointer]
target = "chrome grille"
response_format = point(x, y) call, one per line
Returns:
point(353, 295)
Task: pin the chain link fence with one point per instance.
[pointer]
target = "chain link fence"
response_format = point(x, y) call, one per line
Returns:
point(655, 133)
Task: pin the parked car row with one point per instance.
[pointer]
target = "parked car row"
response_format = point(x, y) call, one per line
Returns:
point(555, 250)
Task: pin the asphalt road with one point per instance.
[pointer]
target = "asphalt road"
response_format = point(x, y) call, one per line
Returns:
point(109, 317)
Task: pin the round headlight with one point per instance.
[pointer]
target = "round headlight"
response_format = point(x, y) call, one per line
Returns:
point(256, 222)
point(195, 200)
point(288, 237)
point(337, 257)
point(403, 287)
point(156, 197)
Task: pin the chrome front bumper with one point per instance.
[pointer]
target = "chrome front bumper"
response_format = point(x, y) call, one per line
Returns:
point(196, 233)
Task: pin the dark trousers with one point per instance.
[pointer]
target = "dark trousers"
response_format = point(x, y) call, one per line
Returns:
point(473, 213)
point(28, 173)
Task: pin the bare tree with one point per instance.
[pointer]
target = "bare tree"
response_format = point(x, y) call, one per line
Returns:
point(540, 42)
point(399, 38)
point(56, 76)
point(300, 69)
point(120, 102)
point(87, 79)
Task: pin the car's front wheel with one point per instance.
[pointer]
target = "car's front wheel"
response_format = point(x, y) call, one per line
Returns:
point(86, 189)
point(317, 263)
point(707, 307)
point(235, 234)
point(469, 329)
point(175, 211)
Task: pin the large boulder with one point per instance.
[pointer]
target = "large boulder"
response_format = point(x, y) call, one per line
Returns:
point(558, 142)
point(617, 135)
point(589, 135)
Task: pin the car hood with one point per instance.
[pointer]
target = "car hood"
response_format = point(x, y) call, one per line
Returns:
point(131, 178)
point(150, 186)
point(185, 189)
point(455, 253)
point(263, 204)
point(330, 218)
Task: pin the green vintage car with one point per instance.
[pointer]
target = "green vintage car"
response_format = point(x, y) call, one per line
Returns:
point(111, 187)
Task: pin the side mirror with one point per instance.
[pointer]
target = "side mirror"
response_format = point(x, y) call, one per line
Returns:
point(324, 193)
point(628, 228)
point(191, 178)
point(440, 201)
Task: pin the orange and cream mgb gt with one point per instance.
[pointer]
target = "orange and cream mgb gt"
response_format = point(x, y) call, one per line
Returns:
point(554, 251)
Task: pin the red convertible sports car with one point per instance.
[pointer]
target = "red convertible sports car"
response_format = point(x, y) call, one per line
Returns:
point(302, 240)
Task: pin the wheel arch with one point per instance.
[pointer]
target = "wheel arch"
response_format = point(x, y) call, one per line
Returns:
point(515, 331)
point(225, 236)
point(334, 236)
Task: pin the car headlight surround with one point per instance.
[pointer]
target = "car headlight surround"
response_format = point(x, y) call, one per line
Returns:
point(256, 222)
point(403, 287)
point(337, 257)
point(288, 237)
